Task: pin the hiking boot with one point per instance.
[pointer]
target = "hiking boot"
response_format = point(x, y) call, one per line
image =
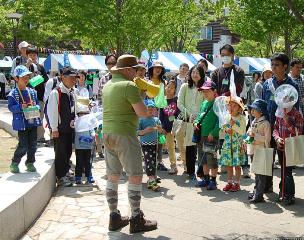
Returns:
point(173, 170)
point(78, 180)
point(14, 167)
point(152, 184)
point(161, 167)
point(202, 183)
point(211, 185)
point(235, 187)
point(30, 167)
point(228, 187)
point(140, 224)
point(90, 180)
point(117, 221)
point(64, 182)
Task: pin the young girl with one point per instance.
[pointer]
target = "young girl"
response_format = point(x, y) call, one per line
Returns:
point(156, 74)
point(167, 116)
point(233, 151)
point(260, 131)
point(148, 131)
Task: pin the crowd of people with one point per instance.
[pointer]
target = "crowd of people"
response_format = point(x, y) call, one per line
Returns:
point(135, 124)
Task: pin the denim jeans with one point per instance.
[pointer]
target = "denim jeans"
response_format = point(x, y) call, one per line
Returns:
point(27, 145)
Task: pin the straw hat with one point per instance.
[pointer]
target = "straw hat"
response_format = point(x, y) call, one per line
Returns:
point(125, 61)
point(237, 100)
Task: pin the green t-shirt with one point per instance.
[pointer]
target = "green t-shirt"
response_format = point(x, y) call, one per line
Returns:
point(119, 117)
point(210, 124)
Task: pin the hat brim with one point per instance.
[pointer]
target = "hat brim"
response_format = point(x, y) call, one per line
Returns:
point(120, 68)
point(229, 99)
point(157, 65)
point(25, 74)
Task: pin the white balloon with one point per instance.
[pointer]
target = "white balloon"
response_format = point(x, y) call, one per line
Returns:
point(221, 110)
point(286, 96)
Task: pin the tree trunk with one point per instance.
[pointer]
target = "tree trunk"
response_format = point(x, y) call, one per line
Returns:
point(295, 11)
point(287, 42)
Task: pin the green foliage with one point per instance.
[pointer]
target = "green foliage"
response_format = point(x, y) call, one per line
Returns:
point(124, 25)
point(265, 22)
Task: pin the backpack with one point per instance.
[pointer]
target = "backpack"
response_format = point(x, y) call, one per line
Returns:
point(45, 106)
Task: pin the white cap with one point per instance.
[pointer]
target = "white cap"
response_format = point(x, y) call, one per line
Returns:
point(23, 44)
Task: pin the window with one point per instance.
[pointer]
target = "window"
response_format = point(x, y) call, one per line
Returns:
point(207, 33)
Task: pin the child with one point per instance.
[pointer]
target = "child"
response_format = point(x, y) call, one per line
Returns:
point(167, 116)
point(233, 153)
point(83, 146)
point(148, 132)
point(260, 132)
point(209, 135)
point(19, 99)
point(286, 126)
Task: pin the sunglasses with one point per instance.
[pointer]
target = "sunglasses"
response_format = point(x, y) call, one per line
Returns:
point(111, 63)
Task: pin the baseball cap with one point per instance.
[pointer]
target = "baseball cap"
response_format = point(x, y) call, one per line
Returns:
point(69, 72)
point(208, 85)
point(23, 44)
point(21, 71)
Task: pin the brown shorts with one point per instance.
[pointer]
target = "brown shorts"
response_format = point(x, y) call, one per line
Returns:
point(123, 152)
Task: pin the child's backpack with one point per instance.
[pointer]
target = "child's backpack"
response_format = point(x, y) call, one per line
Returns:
point(45, 107)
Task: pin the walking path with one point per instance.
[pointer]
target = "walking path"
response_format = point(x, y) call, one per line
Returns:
point(182, 212)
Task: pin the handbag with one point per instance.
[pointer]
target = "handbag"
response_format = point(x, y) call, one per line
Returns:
point(196, 138)
point(294, 150)
point(262, 161)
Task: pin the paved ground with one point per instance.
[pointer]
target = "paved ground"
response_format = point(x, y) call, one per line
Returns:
point(182, 212)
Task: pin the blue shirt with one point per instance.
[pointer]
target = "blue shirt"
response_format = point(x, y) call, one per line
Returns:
point(150, 138)
point(268, 95)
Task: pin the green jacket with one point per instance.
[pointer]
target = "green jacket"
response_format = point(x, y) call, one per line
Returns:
point(210, 124)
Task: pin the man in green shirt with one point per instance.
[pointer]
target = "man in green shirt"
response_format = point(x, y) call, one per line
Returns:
point(122, 105)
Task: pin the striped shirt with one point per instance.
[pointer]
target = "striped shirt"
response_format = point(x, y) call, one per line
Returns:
point(300, 82)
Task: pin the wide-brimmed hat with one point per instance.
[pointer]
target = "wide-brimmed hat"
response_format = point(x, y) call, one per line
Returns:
point(208, 85)
point(260, 105)
point(125, 61)
point(237, 100)
point(156, 64)
point(82, 105)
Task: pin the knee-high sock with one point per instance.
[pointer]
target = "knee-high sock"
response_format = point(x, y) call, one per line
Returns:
point(134, 194)
point(112, 195)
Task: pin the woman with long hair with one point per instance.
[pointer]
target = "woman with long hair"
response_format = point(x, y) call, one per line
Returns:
point(189, 100)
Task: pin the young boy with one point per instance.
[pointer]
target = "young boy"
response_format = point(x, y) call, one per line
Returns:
point(148, 132)
point(260, 131)
point(19, 99)
point(83, 146)
point(209, 123)
point(287, 126)
point(167, 116)
point(61, 112)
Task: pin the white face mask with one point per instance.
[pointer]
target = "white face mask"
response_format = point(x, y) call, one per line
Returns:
point(226, 59)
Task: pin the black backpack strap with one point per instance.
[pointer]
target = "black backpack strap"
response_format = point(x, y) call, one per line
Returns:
point(54, 83)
